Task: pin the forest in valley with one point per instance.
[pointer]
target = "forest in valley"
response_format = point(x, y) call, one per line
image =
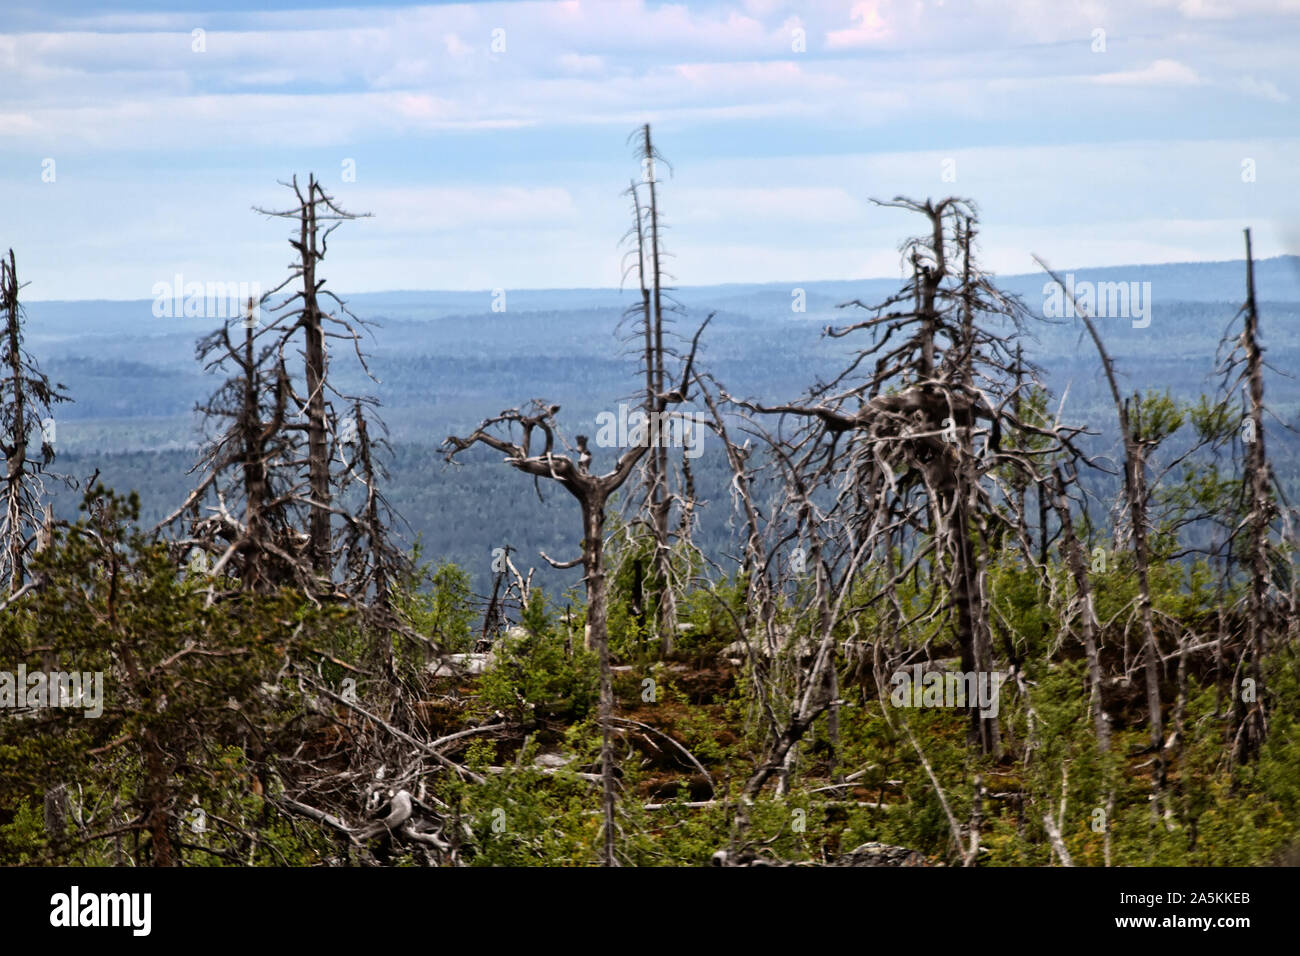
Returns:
point(894, 599)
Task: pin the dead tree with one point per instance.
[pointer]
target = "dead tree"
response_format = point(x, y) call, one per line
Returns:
point(757, 621)
point(1243, 367)
point(592, 492)
point(275, 464)
point(1083, 612)
point(833, 559)
point(27, 399)
point(308, 310)
point(896, 436)
point(792, 612)
point(649, 310)
point(373, 563)
point(1137, 499)
point(245, 511)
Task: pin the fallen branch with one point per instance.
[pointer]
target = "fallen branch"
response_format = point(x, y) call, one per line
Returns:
point(400, 734)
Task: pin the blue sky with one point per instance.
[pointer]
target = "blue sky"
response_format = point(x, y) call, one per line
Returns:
point(505, 169)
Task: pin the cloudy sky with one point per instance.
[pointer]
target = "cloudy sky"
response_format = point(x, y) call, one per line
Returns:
point(489, 140)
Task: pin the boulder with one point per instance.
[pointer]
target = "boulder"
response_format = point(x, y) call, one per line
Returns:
point(880, 854)
point(461, 665)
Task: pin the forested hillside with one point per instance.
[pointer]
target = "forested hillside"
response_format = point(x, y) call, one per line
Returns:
point(902, 572)
point(438, 367)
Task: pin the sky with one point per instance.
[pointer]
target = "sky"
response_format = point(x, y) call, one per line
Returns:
point(489, 141)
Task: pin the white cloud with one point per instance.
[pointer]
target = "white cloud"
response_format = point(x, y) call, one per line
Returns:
point(455, 46)
point(869, 27)
point(1206, 9)
point(1261, 88)
point(776, 150)
point(580, 63)
point(1159, 73)
point(1230, 9)
point(611, 62)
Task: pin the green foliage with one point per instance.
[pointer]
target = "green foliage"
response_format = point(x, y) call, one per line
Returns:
point(201, 709)
point(182, 681)
point(1156, 416)
point(435, 601)
point(535, 675)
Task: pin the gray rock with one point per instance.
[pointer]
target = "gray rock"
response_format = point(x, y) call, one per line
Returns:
point(461, 665)
point(880, 854)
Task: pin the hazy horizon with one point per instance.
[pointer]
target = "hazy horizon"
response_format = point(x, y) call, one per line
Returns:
point(774, 283)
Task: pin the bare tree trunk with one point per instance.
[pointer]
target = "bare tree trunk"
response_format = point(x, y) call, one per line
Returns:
point(833, 727)
point(15, 443)
point(593, 548)
point(1251, 717)
point(27, 396)
point(817, 692)
point(318, 451)
point(1042, 524)
point(1136, 495)
point(1136, 487)
point(56, 797)
point(156, 820)
point(660, 501)
point(256, 487)
point(1075, 561)
point(976, 650)
point(969, 573)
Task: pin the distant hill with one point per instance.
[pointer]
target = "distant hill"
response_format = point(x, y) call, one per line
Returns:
point(445, 360)
point(1277, 279)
